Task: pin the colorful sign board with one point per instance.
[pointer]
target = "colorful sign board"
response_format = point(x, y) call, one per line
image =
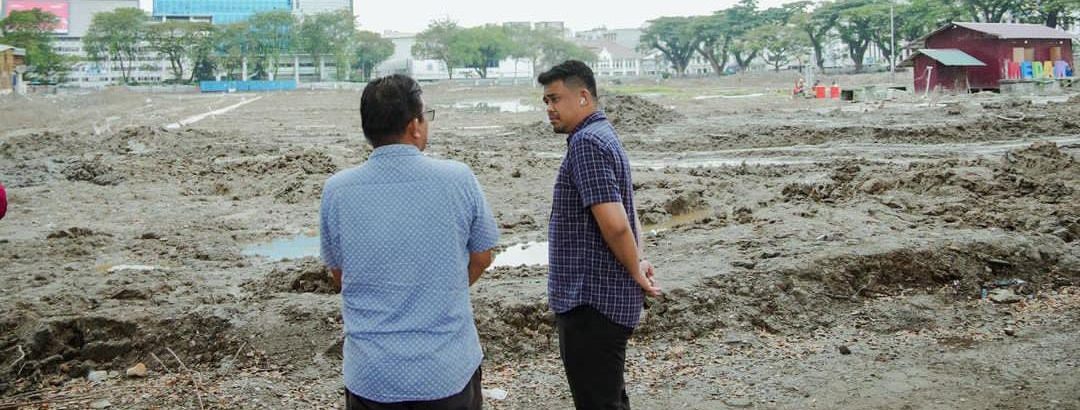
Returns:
point(59, 8)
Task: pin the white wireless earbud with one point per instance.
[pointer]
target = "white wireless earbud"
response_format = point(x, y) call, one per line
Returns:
point(583, 102)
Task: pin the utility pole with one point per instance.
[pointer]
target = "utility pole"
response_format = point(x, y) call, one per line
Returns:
point(892, 39)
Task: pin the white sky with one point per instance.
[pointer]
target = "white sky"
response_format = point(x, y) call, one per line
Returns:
point(414, 15)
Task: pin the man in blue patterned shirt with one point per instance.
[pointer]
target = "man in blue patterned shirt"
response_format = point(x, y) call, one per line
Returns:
point(405, 236)
point(599, 277)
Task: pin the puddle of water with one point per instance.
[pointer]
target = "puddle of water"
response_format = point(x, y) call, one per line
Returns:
point(729, 97)
point(532, 253)
point(689, 218)
point(287, 248)
point(512, 106)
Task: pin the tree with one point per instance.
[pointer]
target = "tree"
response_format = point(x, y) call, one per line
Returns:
point(177, 42)
point(1052, 13)
point(990, 11)
point(370, 50)
point(273, 34)
point(329, 33)
point(860, 23)
point(480, 48)
point(435, 43)
point(231, 44)
point(674, 37)
point(32, 30)
point(554, 50)
point(115, 36)
point(818, 26)
point(780, 43)
point(715, 41)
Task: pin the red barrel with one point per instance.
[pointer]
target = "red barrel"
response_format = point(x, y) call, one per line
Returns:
point(819, 91)
point(834, 92)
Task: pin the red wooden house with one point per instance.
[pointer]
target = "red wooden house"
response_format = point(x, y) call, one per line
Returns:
point(977, 56)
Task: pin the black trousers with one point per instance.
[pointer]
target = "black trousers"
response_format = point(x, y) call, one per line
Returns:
point(593, 351)
point(470, 398)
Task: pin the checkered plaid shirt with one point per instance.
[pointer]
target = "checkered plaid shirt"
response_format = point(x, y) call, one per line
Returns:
point(584, 271)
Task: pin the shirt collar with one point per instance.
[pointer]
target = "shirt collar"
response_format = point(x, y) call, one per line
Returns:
point(596, 116)
point(395, 150)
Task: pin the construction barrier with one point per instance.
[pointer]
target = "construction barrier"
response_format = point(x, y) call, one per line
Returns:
point(234, 86)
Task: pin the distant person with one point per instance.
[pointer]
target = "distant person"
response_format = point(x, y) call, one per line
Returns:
point(404, 237)
point(598, 275)
point(3, 201)
point(800, 88)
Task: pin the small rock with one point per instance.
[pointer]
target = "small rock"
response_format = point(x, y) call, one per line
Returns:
point(100, 404)
point(494, 394)
point(1004, 296)
point(150, 236)
point(743, 264)
point(1010, 331)
point(770, 255)
point(844, 350)
point(740, 402)
point(97, 376)
point(139, 370)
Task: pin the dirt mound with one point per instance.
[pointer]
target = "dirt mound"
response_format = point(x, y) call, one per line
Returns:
point(308, 275)
point(629, 113)
point(61, 348)
point(93, 170)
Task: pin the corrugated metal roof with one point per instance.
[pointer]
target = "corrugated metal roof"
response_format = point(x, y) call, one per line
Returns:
point(18, 51)
point(950, 57)
point(1013, 31)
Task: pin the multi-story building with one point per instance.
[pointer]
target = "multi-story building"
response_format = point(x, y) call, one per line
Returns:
point(320, 6)
point(75, 18)
point(215, 11)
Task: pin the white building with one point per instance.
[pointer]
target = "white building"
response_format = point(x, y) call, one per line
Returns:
point(320, 6)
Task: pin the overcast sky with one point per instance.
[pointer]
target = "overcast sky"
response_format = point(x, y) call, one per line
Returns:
point(414, 15)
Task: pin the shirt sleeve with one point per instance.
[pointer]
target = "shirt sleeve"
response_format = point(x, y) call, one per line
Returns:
point(593, 173)
point(483, 232)
point(328, 237)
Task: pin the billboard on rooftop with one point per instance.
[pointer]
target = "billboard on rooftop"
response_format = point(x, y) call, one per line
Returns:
point(59, 8)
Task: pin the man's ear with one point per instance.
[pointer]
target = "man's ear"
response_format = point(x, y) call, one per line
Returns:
point(585, 96)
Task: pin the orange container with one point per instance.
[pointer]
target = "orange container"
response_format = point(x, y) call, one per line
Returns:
point(819, 91)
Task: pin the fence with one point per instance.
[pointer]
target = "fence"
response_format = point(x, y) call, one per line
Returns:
point(233, 86)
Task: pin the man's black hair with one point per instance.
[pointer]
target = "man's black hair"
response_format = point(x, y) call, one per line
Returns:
point(572, 73)
point(387, 106)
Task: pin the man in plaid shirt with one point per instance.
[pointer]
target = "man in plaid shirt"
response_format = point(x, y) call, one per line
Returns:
point(599, 277)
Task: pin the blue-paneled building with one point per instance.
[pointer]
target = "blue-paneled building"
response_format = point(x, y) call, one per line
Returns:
point(216, 11)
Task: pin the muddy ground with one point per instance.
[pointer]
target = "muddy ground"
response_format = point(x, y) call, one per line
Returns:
point(898, 253)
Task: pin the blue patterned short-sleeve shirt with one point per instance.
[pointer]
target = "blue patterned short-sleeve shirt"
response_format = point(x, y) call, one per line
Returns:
point(583, 269)
point(401, 227)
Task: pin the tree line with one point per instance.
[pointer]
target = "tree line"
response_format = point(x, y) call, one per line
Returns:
point(483, 47)
point(200, 50)
point(799, 32)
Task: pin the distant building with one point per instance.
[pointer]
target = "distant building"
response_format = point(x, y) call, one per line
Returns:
point(979, 56)
point(75, 18)
point(216, 11)
point(321, 6)
point(12, 66)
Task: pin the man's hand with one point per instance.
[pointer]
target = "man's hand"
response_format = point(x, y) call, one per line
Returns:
point(335, 275)
point(645, 279)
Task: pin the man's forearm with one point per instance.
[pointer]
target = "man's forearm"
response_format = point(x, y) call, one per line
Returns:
point(622, 244)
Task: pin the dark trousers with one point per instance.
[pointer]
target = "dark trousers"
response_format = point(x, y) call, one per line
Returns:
point(593, 351)
point(470, 398)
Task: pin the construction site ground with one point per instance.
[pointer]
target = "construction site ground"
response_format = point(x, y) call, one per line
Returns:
point(899, 252)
